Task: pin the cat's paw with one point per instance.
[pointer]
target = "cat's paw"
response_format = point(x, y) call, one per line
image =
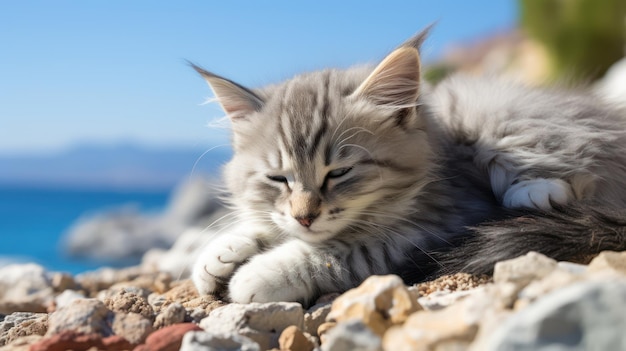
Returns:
point(538, 193)
point(270, 277)
point(218, 261)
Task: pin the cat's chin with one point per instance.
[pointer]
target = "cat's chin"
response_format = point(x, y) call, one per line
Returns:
point(314, 237)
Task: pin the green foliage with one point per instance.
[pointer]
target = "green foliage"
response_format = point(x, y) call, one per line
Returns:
point(582, 37)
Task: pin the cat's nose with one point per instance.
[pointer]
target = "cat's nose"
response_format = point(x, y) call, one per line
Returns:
point(307, 220)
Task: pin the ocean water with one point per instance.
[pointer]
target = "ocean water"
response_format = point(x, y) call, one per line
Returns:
point(33, 221)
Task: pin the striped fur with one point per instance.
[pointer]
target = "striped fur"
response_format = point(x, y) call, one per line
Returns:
point(341, 174)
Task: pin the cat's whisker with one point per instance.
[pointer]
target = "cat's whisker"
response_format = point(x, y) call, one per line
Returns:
point(405, 220)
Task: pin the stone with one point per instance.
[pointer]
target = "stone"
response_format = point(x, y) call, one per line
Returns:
point(316, 316)
point(87, 316)
point(22, 343)
point(587, 315)
point(380, 302)
point(204, 341)
point(125, 302)
point(608, 261)
point(456, 325)
point(168, 338)
point(439, 299)
point(182, 292)
point(261, 322)
point(132, 326)
point(293, 339)
point(21, 324)
point(63, 281)
point(71, 340)
point(24, 288)
point(172, 314)
point(95, 281)
point(323, 329)
point(67, 297)
point(351, 335)
point(522, 270)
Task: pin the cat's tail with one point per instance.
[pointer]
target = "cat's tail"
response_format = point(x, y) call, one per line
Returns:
point(574, 233)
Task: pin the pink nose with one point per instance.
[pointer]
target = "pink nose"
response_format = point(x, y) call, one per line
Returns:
point(306, 221)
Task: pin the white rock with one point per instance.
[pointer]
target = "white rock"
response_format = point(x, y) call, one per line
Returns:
point(524, 269)
point(587, 315)
point(26, 285)
point(83, 316)
point(351, 335)
point(261, 322)
point(67, 297)
point(441, 299)
point(204, 341)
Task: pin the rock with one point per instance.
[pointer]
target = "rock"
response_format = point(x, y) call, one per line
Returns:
point(293, 339)
point(21, 324)
point(522, 270)
point(168, 338)
point(316, 316)
point(583, 316)
point(380, 302)
point(261, 322)
point(608, 262)
point(132, 326)
point(323, 330)
point(70, 340)
point(101, 279)
point(67, 297)
point(63, 281)
point(182, 292)
point(24, 288)
point(88, 316)
point(441, 299)
point(147, 283)
point(352, 335)
point(125, 302)
point(22, 343)
point(453, 326)
point(126, 234)
point(204, 341)
point(511, 276)
point(172, 314)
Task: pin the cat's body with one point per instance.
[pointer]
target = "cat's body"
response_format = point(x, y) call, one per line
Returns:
point(339, 175)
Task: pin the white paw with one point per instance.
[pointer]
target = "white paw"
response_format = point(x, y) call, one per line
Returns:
point(270, 277)
point(218, 261)
point(538, 193)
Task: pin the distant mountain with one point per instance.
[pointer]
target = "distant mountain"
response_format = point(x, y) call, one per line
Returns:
point(121, 166)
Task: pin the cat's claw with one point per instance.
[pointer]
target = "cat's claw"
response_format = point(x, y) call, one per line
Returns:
point(538, 193)
point(219, 260)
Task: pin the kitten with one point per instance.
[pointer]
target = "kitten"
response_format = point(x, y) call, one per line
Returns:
point(342, 174)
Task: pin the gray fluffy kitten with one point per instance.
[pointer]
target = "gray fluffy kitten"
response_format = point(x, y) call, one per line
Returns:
point(341, 174)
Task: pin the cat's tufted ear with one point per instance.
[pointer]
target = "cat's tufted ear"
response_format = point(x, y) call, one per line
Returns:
point(395, 81)
point(418, 39)
point(237, 101)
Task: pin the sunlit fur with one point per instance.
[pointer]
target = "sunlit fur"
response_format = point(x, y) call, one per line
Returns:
point(341, 174)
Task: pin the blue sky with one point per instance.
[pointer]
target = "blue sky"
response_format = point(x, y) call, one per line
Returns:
point(75, 72)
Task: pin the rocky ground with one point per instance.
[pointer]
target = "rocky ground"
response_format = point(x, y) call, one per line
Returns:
point(532, 303)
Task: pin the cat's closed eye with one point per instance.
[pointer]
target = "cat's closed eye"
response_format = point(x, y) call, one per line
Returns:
point(339, 172)
point(277, 178)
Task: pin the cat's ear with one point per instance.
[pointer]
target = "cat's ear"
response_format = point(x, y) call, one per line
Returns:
point(418, 39)
point(236, 100)
point(395, 81)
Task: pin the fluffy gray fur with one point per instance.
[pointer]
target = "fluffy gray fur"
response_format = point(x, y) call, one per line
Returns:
point(341, 174)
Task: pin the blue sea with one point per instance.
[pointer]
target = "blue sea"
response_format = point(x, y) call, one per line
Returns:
point(33, 221)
